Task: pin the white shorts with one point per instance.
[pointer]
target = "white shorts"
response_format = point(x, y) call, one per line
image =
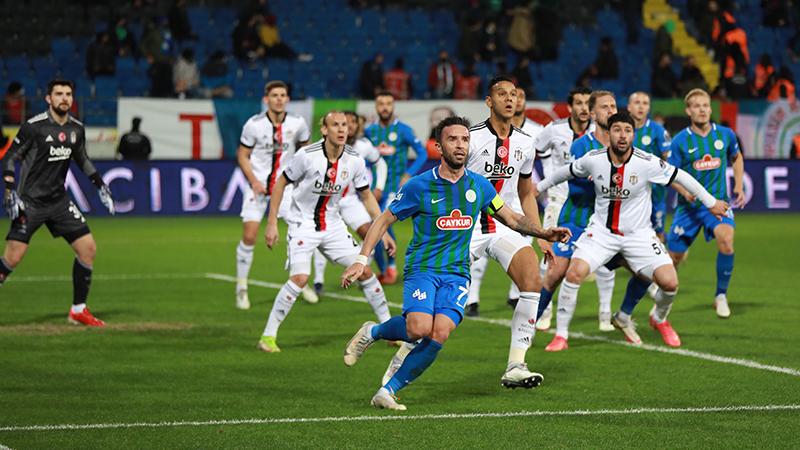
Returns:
point(353, 211)
point(643, 251)
point(552, 211)
point(255, 206)
point(336, 244)
point(500, 246)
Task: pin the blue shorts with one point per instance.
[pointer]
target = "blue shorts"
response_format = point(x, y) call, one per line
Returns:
point(565, 250)
point(433, 293)
point(687, 223)
point(658, 215)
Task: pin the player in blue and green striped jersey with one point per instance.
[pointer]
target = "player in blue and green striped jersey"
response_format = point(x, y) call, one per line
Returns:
point(704, 149)
point(651, 137)
point(392, 138)
point(444, 204)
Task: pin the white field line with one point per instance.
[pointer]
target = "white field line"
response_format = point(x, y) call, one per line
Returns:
point(387, 418)
point(109, 277)
point(507, 323)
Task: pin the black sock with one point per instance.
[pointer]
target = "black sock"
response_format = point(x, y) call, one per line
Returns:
point(81, 280)
point(5, 271)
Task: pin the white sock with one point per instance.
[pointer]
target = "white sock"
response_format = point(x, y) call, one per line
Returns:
point(567, 301)
point(476, 271)
point(281, 307)
point(664, 300)
point(513, 291)
point(542, 268)
point(523, 326)
point(77, 309)
point(623, 317)
point(244, 259)
point(373, 291)
point(319, 267)
point(605, 288)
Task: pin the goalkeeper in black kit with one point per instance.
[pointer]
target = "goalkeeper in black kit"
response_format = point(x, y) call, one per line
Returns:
point(44, 146)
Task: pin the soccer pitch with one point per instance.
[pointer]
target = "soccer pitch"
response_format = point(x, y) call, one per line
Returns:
point(177, 367)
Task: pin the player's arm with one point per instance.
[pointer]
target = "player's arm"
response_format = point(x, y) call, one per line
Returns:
point(559, 176)
point(527, 199)
point(739, 198)
point(376, 231)
point(271, 232)
point(717, 207)
point(524, 224)
point(371, 205)
point(381, 170)
point(422, 156)
point(243, 157)
point(82, 160)
point(19, 147)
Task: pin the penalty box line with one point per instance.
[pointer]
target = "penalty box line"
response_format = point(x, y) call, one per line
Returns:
point(507, 323)
point(391, 418)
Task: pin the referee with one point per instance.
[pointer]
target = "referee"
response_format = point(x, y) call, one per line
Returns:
point(45, 145)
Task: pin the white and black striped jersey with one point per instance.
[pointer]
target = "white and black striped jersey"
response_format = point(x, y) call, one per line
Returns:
point(273, 144)
point(319, 185)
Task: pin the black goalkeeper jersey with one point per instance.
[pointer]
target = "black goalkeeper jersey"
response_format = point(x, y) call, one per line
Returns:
point(45, 149)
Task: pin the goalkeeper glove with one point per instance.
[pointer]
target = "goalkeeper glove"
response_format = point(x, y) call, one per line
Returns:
point(11, 201)
point(106, 199)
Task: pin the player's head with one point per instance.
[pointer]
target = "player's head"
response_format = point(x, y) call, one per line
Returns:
point(384, 105)
point(502, 98)
point(620, 130)
point(352, 123)
point(452, 140)
point(277, 95)
point(698, 107)
point(639, 105)
point(520, 109)
point(578, 104)
point(59, 96)
point(602, 105)
point(334, 127)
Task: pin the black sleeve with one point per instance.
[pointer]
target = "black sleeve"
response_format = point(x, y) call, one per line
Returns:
point(81, 158)
point(22, 143)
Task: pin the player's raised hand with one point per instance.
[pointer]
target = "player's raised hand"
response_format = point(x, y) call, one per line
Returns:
point(271, 235)
point(107, 199)
point(720, 209)
point(547, 250)
point(557, 234)
point(259, 188)
point(351, 274)
point(389, 244)
point(739, 199)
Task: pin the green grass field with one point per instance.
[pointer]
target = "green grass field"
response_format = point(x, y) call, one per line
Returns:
point(178, 360)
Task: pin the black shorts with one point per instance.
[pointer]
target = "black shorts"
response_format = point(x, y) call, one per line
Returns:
point(62, 218)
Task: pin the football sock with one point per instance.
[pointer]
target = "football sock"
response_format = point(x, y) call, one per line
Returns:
point(664, 301)
point(376, 297)
point(393, 329)
point(523, 326)
point(542, 268)
point(244, 259)
point(513, 291)
point(724, 271)
point(605, 288)
point(476, 271)
point(633, 294)
point(81, 280)
point(319, 267)
point(414, 365)
point(77, 309)
point(567, 301)
point(5, 271)
point(281, 307)
point(544, 301)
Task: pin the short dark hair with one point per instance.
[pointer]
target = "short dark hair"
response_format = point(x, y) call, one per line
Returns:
point(384, 93)
point(275, 84)
point(59, 82)
point(496, 80)
point(350, 112)
point(448, 122)
point(622, 116)
point(577, 91)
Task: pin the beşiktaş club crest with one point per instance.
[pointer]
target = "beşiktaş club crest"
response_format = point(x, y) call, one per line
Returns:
point(343, 175)
point(518, 154)
point(633, 179)
point(454, 221)
point(73, 137)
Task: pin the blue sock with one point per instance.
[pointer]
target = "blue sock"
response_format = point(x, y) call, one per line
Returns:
point(544, 299)
point(391, 258)
point(633, 294)
point(393, 329)
point(724, 271)
point(415, 363)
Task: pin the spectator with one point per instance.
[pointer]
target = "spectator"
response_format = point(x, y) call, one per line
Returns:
point(370, 81)
point(491, 47)
point(585, 78)
point(705, 13)
point(101, 56)
point(764, 77)
point(134, 145)
point(154, 42)
point(398, 81)
point(691, 77)
point(247, 45)
point(160, 73)
point(271, 40)
point(663, 43)
point(548, 30)
point(179, 24)
point(521, 33)
point(469, 44)
point(186, 76)
point(523, 76)
point(784, 88)
point(664, 82)
point(442, 76)
point(14, 105)
point(467, 83)
point(632, 15)
point(606, 61)
point(124, 41)
point(736, 55)
point(215, 78)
